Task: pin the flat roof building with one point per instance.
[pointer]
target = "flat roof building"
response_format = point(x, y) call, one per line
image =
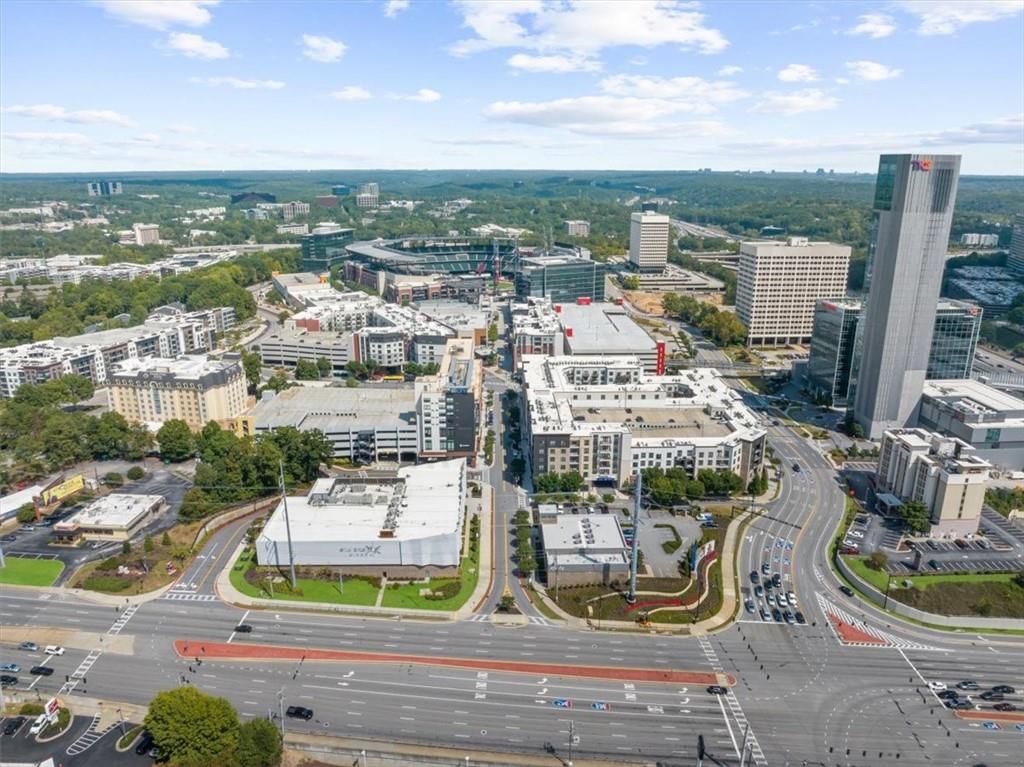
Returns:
point(117, 517)
point(324, 247)
point(577, 228)
point(584, 549)
point(779, 282)
point(560, 278)
point(648, 241)
point(407, 523)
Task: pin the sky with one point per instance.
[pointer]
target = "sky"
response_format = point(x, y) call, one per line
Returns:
point(125, 85)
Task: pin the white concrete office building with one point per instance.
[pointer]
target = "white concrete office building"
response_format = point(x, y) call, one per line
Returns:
point(779, 283)
point(913, 205)
point(584, 549)
point(648, 241)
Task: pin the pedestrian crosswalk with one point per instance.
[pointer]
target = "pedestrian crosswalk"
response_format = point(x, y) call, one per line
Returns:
point(189, 596)
point(881, 638)
point(536, 620)
point(87, 738)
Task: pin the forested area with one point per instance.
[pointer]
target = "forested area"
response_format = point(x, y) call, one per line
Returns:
point(69, 309)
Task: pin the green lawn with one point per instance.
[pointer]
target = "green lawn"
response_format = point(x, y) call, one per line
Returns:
point(876, 578)
point(357, 591)
point(408, 596)
point(18, 571)
point(924, 581)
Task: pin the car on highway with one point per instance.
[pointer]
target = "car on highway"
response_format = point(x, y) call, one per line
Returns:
point(38, 725)
point(754, 577)
point(6, 680)
point(1005, 689)
point(12, 668)
point(145, 743)
point(1004, 707)
point(936, 686)
point(30, 646)
point(947, 695)
point(968, 684)
point(53, 649)
point(846, 590)
point(958, 704)
point(243, 628)
point(991, 695)
point(749, 605)
point(41, 671)
point(776, 615)
point(299, 712)
point(717, 689)
point(9, 538)
point(13, 724)
point(799, 616)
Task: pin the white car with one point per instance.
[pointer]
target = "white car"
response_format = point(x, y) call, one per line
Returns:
point(54, 649)
point(937, 686)
point(38, 725)
point(855, 534)
point(792, 598)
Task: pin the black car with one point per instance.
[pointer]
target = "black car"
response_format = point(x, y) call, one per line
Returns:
point(41, 671)
point(796, 467)
point(1005, 689)
point(947, 695)
point(754, 577)
point(776, 580)
point(958, 704)
point(991, 695)
point(243, 628)
point(758, 592)
point(933, 564)
point(846, 590)
point(13, 725)
point(800, 618)
point(776, 615)
point(1004, 707)
point(6, 680)
point(299, 712)
point(145, 743)
point(717, 689)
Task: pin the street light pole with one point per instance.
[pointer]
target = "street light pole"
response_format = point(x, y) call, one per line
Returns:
point(888, 582)
point(287, 527)
point(572, 738)
point(635, 548)
point(280, 709)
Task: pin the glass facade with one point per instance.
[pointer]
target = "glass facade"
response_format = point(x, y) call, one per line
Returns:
point(954, 340)
point(885, 184)
point(322, 251)
point(561, 280)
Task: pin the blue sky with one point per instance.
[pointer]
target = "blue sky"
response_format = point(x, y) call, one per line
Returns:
point(176, 85)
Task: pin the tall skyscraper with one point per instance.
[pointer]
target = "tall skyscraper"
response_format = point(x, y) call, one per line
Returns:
point(913, 212)
point(1016, 260)
point(648, 241)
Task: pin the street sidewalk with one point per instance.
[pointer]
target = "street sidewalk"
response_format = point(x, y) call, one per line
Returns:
point(111, 711)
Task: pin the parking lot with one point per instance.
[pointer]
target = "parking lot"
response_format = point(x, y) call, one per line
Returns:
point(22, 747)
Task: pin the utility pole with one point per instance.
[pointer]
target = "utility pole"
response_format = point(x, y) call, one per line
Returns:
point(287, 527)
point(572, 740)
point(120, 717)
point(280, 709)
point(635, 548)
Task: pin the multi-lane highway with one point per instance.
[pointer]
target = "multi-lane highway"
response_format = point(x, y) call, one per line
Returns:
point(801, 695)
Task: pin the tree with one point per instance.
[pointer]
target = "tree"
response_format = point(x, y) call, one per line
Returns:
point(492, 332)
point(252, 364)
point(631, 282)
point(351, 383)
point(325, 367)
point(278, 382)
point(113, 478)
point(147, 544)
point(26, 513)
point(135, 473)
point(175, 440)
point(915, 516)
point(506, 603)
point(166, 539)
point(306, 370)
point(259, 744)
point(193, 728)
point(196, 504)
point(878, 560)
point(126, 547)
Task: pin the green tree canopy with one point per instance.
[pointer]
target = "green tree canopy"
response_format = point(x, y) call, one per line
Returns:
point(176, 441)
point(259, 744)
point(193, 728)
point(915, 516)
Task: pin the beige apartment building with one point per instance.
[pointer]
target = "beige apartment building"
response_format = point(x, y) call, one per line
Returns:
point(779, 282)
point(195, 389)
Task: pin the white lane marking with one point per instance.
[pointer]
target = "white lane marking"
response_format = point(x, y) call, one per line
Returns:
point(238, 624)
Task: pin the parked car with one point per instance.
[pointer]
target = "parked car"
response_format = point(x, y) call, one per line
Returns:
point(766, 568)
point(791, 598)
point(13, 724)
point(754, 577)
point(759, 592)
point(800, 618)
point(776, 580)
point(788, 617)
point(749, 605)
point(796, 467)
point(145, 743)
point(776, 615)
point(299, 712)
point(765, 616)
point(38, 725)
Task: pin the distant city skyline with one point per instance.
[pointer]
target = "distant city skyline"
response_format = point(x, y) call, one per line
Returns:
point(121, 85)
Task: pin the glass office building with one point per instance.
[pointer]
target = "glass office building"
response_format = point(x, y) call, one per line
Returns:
point(323, 249)
point(563, 279)
point(954, 343)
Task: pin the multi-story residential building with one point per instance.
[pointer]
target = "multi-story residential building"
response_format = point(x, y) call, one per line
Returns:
point(103, 188)
point(293, 229)
point(913, 212)
point(290, 210)
point(447, 404)
point(829, 367)
point(324, 247)
point(943, 473)
point(368, 195)
point(577, 228)
point(975, 239)
point(146, 234)
point(196, 389)
point(256, 214)
point(1016, 259)
point(606, 418)
point(44, 361)
point(648, 241)
point(779, 282)
point(340, 190)
point(560, 278)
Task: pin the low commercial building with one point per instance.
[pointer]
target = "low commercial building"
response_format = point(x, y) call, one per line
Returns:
point(146, 234)
point(300, 229)
point(943, 473)
point(606, 418)
point(405, 524)
point(678, 280)
point(560, 278)
point(990, 421)
point(779, 283)
point(584, 549)
point(196, 390)
point(829, 366)
point(114, 517)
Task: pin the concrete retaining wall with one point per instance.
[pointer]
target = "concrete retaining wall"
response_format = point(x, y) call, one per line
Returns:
point(225, 517)
point(949, 621)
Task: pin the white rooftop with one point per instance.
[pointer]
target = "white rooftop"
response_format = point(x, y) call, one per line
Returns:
point(118, 510)
point(587, 539)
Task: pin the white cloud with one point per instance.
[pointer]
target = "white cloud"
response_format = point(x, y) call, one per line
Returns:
point(394, 7)
point(423, 95)
point(322, 49)
point(874, 25)
point(160, 14)
point(798, 73)
point(872, 70)
point(692, 94)
point(554, 64)
point(181, 128)
point(196, 46)
point(55, 113)
point(351, 93)
point(730, 70)
point(585, 28)
point(237, 82)
point(946, 17)
point(46, 137)
point(795, 102)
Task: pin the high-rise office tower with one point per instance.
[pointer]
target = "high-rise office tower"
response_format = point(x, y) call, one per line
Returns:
point(1016, 260)
point(913, 212)
point(648, 241)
